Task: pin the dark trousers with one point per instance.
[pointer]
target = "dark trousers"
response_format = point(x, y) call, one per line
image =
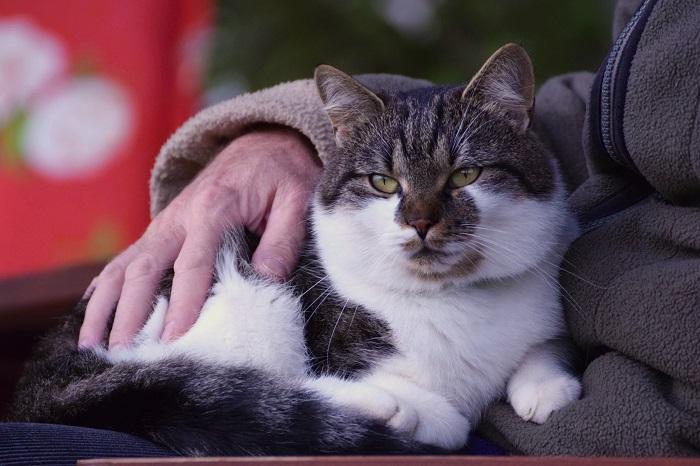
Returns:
point(49, 444)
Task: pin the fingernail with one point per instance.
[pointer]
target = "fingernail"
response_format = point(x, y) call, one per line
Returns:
point(274, 269)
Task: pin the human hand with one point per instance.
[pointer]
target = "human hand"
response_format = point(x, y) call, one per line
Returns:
point(262, 180)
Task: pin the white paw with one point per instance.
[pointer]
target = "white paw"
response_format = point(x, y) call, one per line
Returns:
point(401, 405)
point(444, 427)
point(535, 401)
point(436, 422)
point(405, 420)
point(368, 400)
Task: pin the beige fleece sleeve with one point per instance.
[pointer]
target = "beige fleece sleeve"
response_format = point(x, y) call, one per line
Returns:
point(294, 104)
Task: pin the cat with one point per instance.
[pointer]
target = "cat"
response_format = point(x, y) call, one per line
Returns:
point(428, 290)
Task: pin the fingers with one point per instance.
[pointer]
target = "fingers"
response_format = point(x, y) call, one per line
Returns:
point(235, 188)
point(107, 288)
point(193, 276)
point(278, 251)
point(141, 279)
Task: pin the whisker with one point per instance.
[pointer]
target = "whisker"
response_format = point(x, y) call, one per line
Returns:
point(330, 340)
point(548, 278)
point(323, 295)
point(313, 286)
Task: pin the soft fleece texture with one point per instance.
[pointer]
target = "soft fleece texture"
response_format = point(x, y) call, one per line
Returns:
point(633, 277)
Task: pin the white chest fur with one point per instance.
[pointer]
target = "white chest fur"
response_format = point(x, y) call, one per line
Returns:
point(462, 341)
point(465, 343)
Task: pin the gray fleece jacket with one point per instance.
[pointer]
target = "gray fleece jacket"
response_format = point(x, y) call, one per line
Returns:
point(628, 139)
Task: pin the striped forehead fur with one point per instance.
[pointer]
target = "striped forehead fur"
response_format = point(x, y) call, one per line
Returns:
point(423, 135)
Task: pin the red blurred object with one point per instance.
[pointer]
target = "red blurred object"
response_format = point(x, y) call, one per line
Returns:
point(89, 91)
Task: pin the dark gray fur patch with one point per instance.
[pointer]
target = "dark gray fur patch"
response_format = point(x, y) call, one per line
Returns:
point(193, 408)
point(343, 338)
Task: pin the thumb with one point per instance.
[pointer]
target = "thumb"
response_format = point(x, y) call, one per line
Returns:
point(278, 250)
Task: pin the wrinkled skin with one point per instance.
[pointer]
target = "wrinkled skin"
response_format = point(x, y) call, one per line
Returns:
point(262, 180)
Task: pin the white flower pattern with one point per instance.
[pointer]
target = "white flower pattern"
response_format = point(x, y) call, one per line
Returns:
point(76, 130)
point(70, 126)
point(30, 59)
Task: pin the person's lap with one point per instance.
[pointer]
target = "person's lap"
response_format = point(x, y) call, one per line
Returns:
point(51, 444)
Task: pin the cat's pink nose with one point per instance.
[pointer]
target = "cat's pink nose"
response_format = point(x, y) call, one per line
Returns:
point(422, 225)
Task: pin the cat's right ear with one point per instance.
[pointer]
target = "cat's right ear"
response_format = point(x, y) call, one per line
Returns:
point(506, 84)
point(347, 102)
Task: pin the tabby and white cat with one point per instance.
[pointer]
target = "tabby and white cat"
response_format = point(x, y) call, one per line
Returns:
point(429, 290)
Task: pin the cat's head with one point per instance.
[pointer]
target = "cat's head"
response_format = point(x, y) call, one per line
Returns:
point(437, 186)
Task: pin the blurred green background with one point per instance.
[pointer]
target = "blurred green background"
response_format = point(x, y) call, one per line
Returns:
point(263, 42)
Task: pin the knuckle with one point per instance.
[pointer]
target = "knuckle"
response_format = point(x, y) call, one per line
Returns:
point(210, 195)
point(160, 227)
point(192, 263)
point(160, 239)
point(284, 250)
point(144, 265)
point(297, 193)
point(305, 166)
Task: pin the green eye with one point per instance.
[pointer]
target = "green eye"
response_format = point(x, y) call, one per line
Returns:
point(461, 178)
point(384, 184)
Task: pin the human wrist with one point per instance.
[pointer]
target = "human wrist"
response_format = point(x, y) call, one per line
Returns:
point(259, 135)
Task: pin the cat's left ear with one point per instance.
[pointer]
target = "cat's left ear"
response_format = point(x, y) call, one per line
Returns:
point(506, 84)
point(348, 103)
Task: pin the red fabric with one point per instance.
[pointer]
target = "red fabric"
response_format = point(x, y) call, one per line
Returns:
point(113, 80)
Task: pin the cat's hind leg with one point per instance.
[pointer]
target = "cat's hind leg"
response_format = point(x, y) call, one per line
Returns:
point(248, 321)
point(542, 383)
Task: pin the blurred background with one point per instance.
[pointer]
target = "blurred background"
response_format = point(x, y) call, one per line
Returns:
point(90, 89)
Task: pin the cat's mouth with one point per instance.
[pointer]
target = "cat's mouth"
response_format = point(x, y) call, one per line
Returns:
point(437, 263)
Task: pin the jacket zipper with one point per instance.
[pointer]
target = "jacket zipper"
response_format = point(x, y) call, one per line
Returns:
point(613, 88)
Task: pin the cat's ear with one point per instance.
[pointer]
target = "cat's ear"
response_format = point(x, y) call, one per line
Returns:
point(347, 102)
point(506, 83)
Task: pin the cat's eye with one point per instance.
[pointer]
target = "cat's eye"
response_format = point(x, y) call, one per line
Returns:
point(384, 183)
point(464, 176)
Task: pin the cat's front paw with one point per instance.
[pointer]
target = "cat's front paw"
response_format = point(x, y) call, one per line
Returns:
point(440, 424)
point(535, 400)
point(403, 406)
point(370, 401)
point(428, 418)
point(436, 422)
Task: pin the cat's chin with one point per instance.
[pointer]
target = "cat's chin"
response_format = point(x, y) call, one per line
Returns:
point(439, 267)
